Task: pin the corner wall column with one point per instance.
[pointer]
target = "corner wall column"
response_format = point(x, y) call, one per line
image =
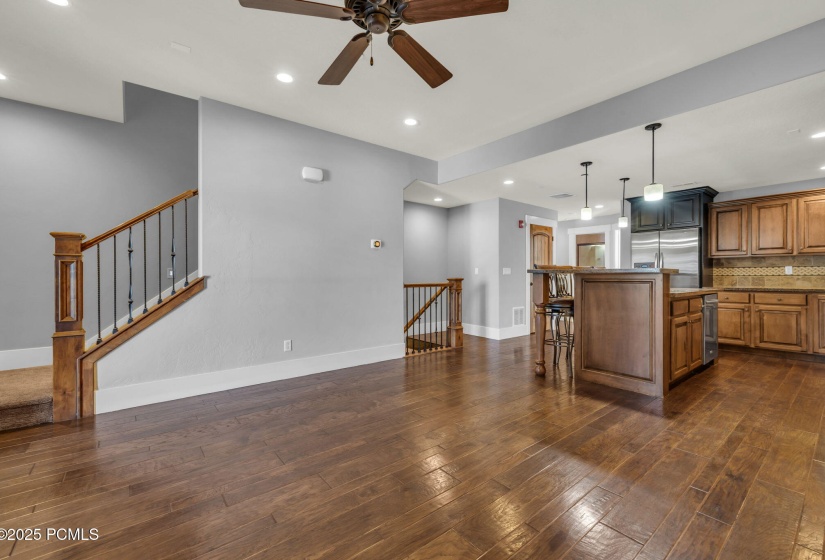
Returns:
point(69, 339)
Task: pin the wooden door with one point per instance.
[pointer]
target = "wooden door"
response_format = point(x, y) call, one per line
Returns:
point(697, 340)
point(773, 225)
point(811, 224)
point(734, 324)
point(541, 253)
point(541, 245)
point(729, 231)
point(679, 347)
point(780, 327)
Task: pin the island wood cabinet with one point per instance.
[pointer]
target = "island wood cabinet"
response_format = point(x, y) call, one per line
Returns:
point(791, 224)
point(729, 231)
point(686, 337)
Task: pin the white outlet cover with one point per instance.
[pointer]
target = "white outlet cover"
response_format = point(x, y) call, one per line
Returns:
point(788, 270)
point(287, 346)
point(476, 271)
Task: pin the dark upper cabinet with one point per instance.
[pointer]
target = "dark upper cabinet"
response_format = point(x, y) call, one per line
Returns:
point(681, 209)
point(684, 212)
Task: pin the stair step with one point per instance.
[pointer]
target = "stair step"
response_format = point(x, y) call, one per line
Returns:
point(25, 397)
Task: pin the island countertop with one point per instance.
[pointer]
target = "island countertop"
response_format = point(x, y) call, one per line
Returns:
point(686, 293)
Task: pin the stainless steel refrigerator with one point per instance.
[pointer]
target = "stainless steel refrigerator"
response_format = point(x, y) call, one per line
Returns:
point(677, 248)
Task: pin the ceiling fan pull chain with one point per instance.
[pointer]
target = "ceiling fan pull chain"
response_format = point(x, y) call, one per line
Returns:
point(372, 61)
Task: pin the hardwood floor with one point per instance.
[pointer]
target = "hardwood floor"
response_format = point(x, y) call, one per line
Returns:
point(455, 455)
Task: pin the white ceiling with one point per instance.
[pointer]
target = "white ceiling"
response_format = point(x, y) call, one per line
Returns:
point(541, 60)
point(740, 143)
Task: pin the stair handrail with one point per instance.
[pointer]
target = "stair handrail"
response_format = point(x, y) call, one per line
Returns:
point(72, 398)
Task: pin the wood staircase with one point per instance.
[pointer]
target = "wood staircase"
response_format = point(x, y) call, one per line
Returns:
point(75, 365)
point(434, 312)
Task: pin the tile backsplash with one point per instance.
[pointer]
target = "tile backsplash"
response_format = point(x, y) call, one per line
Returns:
point(769, 272)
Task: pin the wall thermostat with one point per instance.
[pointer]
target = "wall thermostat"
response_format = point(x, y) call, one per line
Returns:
point(376, 243)
point(312, 175)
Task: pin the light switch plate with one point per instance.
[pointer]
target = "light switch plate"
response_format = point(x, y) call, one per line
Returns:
point(788, 270)
point(506, 271)
point(287, 346)
point(476, 271)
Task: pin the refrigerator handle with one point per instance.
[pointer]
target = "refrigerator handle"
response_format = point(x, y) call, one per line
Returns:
point(656, 257)
point(662, 259)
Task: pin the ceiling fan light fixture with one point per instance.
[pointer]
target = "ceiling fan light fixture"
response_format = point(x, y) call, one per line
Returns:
point(285, 78)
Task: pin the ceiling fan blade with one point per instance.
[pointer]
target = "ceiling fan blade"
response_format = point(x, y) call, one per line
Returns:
point(339, 69)
point(425, 64)
point(422, 11)
point(301, 7)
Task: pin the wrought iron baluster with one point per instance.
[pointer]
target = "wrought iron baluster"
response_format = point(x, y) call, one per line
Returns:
point(114, 292)
point(99, 338)
point(145, 297)
point(186, 240)
point(160, 262)
point(131, 301)
point(173, 249)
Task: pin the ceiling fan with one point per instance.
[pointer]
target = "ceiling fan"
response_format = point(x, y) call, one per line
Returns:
point(385, 16)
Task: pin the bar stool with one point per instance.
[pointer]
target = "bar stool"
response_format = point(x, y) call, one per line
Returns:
point(559, 312)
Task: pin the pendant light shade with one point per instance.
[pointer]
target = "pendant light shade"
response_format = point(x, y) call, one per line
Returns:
point(654, 191)
point(623, 222)
point(587, 212)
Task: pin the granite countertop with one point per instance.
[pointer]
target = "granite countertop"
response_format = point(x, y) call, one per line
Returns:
point(584, 270)
point(685, 293)
point(787, 290)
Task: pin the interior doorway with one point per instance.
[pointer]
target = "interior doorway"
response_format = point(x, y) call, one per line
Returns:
point(590, 250)
point(541, 253)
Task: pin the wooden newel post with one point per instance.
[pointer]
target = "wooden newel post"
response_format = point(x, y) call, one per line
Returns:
point(455, 328)
point(69, 339)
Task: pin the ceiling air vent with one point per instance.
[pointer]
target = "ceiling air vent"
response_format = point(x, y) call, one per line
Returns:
point(562, 195)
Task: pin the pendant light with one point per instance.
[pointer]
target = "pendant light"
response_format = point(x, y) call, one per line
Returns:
point(654, 191)
point(587, 213)
point(623, 218)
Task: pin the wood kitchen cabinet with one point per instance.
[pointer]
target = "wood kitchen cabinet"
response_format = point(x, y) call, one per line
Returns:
point(734, 325)
point(729, 231)
point(687, 337)
point(780, 327)
point(817, 309)
point(677, 210)
point(773, 227)
point(648, 216)
point(811, 224)
point(684, 211)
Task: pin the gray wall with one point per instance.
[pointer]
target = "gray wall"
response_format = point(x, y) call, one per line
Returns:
point(783, 188)
point(473, 243)
point(66, 172)
point(285, 259)
point(513, 255)
point(425, 243)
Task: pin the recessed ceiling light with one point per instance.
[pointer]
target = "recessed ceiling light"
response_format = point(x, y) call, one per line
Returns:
point(285, 78)
point(600, 206)
point(60, 2)
point(3, 76)
point(819, 135)
point(439, 199)
point(822, 168)
point(509, 182)
point(410, 122)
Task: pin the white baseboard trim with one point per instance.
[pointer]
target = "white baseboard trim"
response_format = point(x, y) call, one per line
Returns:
point(494, 333)
point(119, 398)
point(25, 358)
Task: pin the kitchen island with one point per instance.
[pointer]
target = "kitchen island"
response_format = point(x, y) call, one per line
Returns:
point(631, 332)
